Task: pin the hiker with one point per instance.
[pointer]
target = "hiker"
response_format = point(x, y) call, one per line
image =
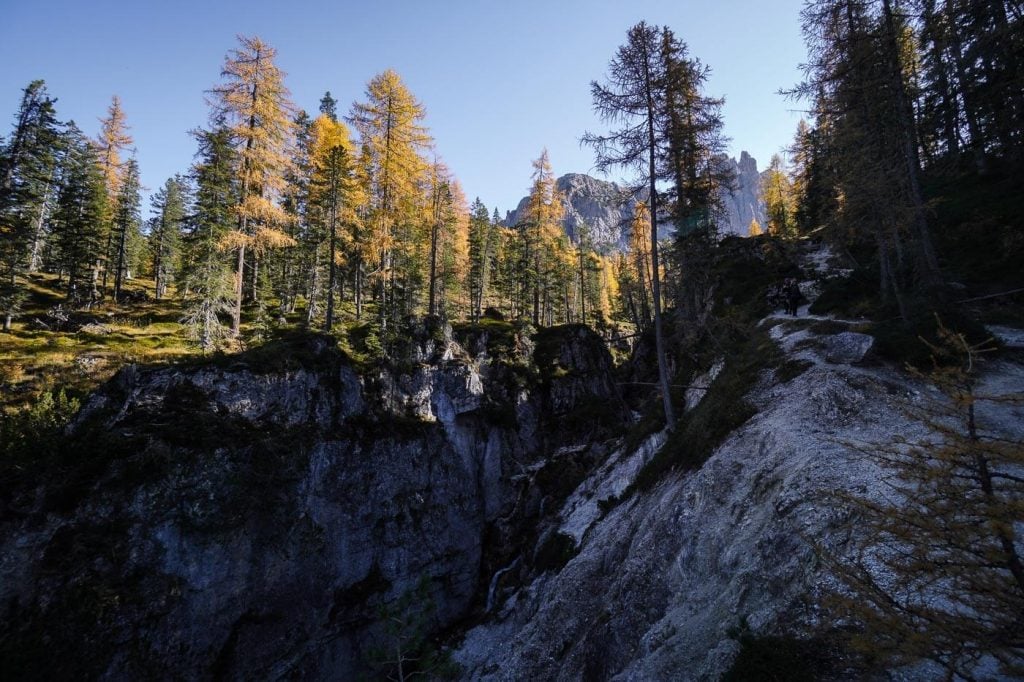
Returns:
point(792, 292)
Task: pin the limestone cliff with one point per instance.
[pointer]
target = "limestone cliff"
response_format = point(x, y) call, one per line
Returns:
point(607, 207)
point(253, 517)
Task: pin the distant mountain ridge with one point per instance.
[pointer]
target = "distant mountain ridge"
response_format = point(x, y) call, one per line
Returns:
point(607, 207)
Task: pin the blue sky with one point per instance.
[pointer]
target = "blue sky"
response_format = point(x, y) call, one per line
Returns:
point(499, 79)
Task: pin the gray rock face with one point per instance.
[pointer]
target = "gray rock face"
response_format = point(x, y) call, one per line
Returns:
point(248, 522)
point(658, 580)
point(742, 202)
point(607, 207)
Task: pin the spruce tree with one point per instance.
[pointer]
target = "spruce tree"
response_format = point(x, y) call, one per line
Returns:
point(126, 223)
point(333, 191)
point(27, 167)
point(78, 218)
point(208, 289)
point(166, 232)
point(480, 254)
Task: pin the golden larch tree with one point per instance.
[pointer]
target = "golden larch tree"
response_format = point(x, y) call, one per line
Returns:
point(112, 140)
point(542, 227)
point(257, 108)
point(393, 140)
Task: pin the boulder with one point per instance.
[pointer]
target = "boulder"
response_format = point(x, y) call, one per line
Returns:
point(847, 348)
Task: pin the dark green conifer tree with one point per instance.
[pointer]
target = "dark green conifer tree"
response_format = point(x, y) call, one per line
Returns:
point(27, 166)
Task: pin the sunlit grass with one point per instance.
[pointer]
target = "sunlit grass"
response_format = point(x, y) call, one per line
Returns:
point(34, 360)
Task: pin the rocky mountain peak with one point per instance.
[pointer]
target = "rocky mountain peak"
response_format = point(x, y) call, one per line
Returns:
point(607, 207)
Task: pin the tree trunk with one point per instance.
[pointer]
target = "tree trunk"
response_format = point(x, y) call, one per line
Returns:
point(659, 336)
point(332, 267)
point(236, 313)
point(431, 300)
point(314, 287)
point(928, 263)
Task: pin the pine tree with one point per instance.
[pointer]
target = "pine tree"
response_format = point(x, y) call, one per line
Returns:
point(166, 231)
point(480, 254)
point(333, 190)
point(296, 270)
point(857, 80)
point(393, 139)
point(329, 106)
point(27, 166)
point(255, 104)
point(208, 289)
point(126, 223)
point(690, 141)
point(442, 219)
point(78, 218)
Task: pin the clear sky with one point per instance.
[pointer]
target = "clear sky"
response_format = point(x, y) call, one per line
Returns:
point(499, 79)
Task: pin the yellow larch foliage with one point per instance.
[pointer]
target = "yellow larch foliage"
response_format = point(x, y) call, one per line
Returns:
point(393, 141)
point(640, 256)
point(254, 103)
point(112, 140)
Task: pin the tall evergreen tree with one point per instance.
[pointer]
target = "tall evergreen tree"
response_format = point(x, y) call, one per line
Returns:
point(856, 79)
point(480, 255)
point(166, 231)
point(27, 166)
point(333, 190)
point(208, 289)
point(78, 218)
point(126, 223)
point(690, 140)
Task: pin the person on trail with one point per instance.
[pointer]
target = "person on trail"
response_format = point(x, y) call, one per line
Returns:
point(792, 291)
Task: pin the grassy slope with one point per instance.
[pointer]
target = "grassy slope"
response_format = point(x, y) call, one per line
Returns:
point(33, 361)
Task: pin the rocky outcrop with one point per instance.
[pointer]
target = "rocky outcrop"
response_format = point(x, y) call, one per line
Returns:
point(253, 517)
point(659, 581)
point(742, 201)
point(607, 207)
